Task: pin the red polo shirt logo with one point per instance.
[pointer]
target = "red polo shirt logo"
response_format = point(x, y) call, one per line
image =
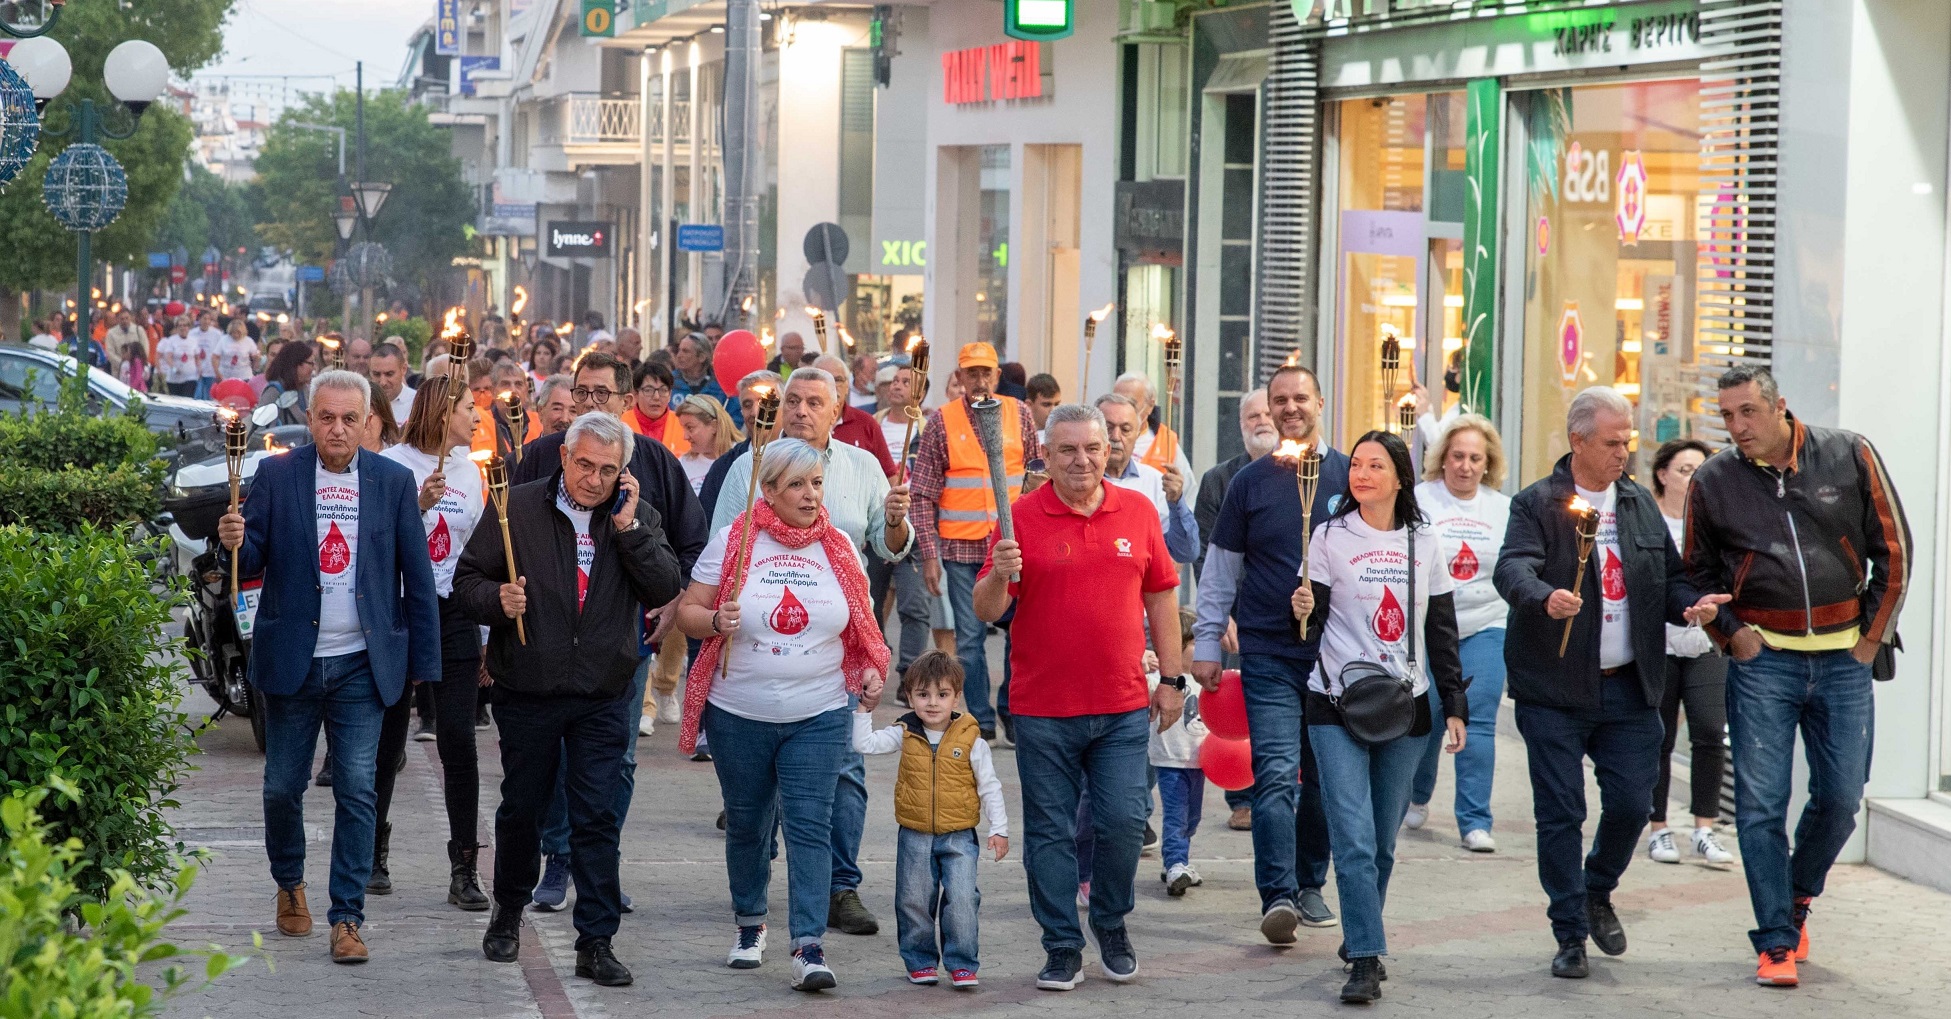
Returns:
point(1123, 545)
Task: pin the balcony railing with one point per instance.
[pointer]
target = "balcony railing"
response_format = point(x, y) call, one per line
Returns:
point(680, 122)
point(588, 119)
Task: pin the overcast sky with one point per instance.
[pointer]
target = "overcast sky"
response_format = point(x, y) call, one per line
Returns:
point(320, 37)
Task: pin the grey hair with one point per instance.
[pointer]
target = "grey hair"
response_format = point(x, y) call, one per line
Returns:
point(339, 378)
point(786, 459)
point(1111, 398)
point(605, 428)
point(818, 375)
point(836, 366)
point(1582, 417)
point(762, 377)
point(1249, 395)
point(551, 384)
point(1742, 374)
point(1151, 392)
point(1077, 413)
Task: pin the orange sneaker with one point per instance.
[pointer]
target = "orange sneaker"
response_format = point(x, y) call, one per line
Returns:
point(1776, 968)
point(1801, 915)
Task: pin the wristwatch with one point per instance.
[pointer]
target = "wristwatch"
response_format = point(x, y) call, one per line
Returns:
point(1175, 682)
point(631, 526)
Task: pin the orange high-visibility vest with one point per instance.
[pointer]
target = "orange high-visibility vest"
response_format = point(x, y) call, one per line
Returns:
point(967, 511)
point(1164, 451)
point(484, 423)
point(670, 431)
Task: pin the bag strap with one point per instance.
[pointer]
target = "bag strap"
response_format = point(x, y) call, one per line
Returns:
point(1411, 613)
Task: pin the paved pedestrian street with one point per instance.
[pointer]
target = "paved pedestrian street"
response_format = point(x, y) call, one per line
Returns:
point(1467, 933)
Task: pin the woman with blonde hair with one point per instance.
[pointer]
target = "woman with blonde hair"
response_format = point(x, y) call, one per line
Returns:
point(710, 431)
point(1464, 468)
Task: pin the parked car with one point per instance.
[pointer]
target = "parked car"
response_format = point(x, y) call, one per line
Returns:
point(31, 378)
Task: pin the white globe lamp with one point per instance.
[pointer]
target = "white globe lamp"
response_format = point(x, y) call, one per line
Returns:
point(45, 65)
point(136, 72)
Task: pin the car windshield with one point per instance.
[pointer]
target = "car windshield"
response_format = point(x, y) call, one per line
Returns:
point(98, 379)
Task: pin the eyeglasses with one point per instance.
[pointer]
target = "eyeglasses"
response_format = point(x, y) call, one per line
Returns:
point(585, 395)
point(655, 389)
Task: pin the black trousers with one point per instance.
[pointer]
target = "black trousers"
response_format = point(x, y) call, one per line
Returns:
point(1702, 684)
point(1622, 737)
point(457, 695)
point(536, 733)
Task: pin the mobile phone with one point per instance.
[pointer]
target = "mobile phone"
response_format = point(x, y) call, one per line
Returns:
point(622, 496)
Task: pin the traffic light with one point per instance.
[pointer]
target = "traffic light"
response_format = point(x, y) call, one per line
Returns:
point(1039, 20)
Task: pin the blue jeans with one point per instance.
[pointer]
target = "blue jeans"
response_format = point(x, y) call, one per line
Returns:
point(1476, 764)
point(338, 693)
point(849, 812)
point(543, 738)
point(770, 768)
point(1290, 830)
point(935, 886)
point(1054, 756)
point(1828, 697)
point(1364, 792)
point(1623, 740)
point(1182, 792)
point(970, 635)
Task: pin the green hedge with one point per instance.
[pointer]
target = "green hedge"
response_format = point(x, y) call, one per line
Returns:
point(61, 471)
point(88, 689)
point(415, 332)
point(60, 440)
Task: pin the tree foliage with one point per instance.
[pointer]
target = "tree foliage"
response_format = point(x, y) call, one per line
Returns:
point(40, 253)
point(424, 221)
point(206, 212)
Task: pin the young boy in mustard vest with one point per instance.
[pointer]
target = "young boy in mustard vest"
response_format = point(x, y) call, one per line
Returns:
point(947, 783)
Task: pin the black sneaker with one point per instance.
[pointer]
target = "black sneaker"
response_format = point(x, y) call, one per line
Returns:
point(1569, 963)
point(848, 915)
point(1364, 981)
point(1341, 952)
point(1603, 922)
point(480, 717)
point(1061, 971)
point(503, 942)
point(599, 963)
point(988, 733)
point(1114, 954)
point(424, 732)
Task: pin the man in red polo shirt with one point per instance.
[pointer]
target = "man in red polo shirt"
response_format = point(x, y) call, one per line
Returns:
point(1088, 571)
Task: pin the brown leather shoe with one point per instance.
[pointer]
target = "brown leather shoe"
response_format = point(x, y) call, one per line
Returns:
point(346, 946)
point(1242, 819)
point(294, 917)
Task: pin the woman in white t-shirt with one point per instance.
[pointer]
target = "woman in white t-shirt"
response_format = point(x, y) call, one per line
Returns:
point(1360, 607)
point(778, 718)
point(1463, 469)
point(450, 508)
point(180, 359)
point(237, 353)
point(709, 431)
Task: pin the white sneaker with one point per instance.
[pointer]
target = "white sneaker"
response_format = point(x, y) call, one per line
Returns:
point(670, 710)
point(1661, 848)
point(1708, 845)
point(749, 950)
point(1417, 816)
point(1479, 841)
point(1177, 879)
point(810, 971)
point(647, 725)
point(1194, 875)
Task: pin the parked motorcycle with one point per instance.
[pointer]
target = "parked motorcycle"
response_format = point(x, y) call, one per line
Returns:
point(218, 626)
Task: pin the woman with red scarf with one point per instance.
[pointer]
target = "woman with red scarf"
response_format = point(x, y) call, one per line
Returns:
point(777, 717)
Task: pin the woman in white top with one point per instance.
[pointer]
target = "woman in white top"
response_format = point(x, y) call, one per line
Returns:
point(1361, 609)
point(450, 507)
point(1463, 469)
point(778, 719)
point(709, 430)
point(180, 359)
point(237, 353)
point(1696, 674)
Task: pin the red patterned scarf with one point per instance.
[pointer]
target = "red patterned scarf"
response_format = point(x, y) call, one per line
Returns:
point(863, 646)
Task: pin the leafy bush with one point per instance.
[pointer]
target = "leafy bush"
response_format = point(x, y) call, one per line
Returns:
point(87, 688)
point(53, 967)
point(62, 470)
point(414, 332)
point(59, 441)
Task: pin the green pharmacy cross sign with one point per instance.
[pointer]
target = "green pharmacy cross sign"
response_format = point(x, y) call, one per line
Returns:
point(1039, 20)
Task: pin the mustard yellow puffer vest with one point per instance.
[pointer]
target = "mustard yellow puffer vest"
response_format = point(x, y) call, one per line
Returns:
point(936, 789)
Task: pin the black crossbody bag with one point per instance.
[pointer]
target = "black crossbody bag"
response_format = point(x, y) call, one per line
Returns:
point(1377, 705)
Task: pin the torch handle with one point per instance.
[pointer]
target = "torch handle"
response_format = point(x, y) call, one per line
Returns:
point(508, 547)
point(1578, 582)
point(235, 588)
point(736, 575)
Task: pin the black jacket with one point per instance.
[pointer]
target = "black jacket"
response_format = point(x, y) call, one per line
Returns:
point(586, 653)
point(1817, 548)
point(1540, 555)
point(662, 482)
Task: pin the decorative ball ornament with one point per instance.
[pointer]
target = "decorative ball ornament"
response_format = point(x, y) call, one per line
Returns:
point(368, 264)
point(85, 187)
point(20, 123)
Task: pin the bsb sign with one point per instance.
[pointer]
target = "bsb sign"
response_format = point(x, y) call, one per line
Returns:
point(1010, 70)
point(568, 239)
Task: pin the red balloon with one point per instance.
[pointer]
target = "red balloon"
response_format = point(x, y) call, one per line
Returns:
point(1224, 710)
point(173, 308)
point(1228, 763)
point(737, 355)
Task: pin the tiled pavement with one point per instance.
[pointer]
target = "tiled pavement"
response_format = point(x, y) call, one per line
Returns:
point(1467, 933)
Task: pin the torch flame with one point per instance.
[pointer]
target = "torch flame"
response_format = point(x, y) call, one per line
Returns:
point(328, 342)
point(1580, 506)
point(761, 392)
point(1408, 399)
point(450, 326)
point(746, 305)
point(273, 448)
point(506, 396)
point(1293, 360)
point(765, 338)
point(565, 328)
point(1291, 450)
point(521, 300)
point(846, 337)
point(1103, 313)
point(1161, 332)
point(913, 342)
point(815, 313)
point(638, 307)
point(226, 415)
point(481, 456)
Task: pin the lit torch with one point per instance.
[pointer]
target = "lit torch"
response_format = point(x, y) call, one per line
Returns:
point(918, 364)
point(847, 339)
point(515, 310)
point(517, 421)
point(460, 348)
point(496, 470)
point(1307, 478)
point(819, 326)
point(1091, 322)
point(1586, 524)
point(1405, 422)
point(334, 351)
point(765, 418)
point(237, 432)
point(1391, 367)
point(1174, 351)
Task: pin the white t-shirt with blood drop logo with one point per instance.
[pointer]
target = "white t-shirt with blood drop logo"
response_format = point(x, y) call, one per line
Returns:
point(1615, 631)
point(337, 503)
point(1367, 573)
point(786, 658)
point(1471, 532)
point(585, 545)
point(453, 519)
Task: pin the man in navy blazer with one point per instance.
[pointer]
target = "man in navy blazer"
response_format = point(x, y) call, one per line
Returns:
point(346, 618)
